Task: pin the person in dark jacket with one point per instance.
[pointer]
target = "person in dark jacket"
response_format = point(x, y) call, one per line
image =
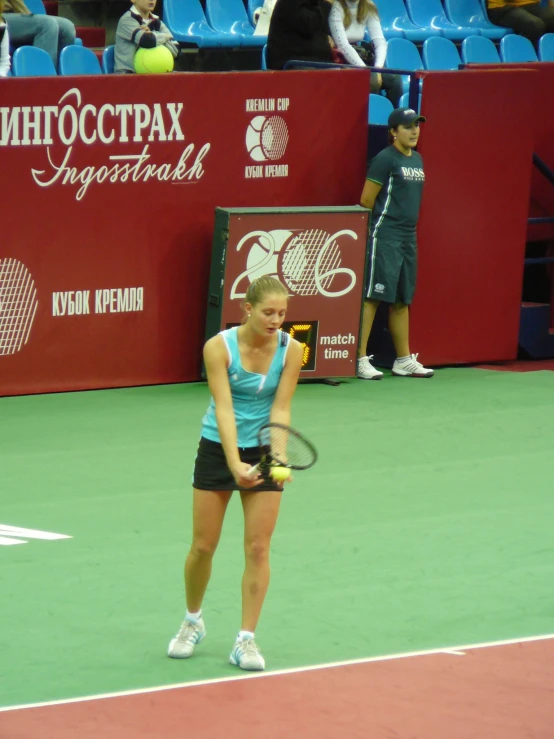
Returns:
point(525, 17)
point(299, 29)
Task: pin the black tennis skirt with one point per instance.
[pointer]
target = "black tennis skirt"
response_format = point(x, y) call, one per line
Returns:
point(211, 471)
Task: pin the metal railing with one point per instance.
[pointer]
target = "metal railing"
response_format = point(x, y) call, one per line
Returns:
point(545, 170)
point(413, 89)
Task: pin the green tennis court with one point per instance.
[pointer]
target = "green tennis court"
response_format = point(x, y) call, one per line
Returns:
point(425, 525)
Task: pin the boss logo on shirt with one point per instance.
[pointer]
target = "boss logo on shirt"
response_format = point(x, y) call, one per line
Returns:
point(413, 173)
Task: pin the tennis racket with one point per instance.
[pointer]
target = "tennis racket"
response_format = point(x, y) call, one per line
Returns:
point(283, 446)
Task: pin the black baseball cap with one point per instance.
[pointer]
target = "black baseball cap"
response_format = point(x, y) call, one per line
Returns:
point(404, 117)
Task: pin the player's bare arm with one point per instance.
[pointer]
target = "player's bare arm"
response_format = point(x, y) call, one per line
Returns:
point(280, 410)
point(369, 193)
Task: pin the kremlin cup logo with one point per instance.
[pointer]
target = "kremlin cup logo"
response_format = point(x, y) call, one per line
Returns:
point(267, 138)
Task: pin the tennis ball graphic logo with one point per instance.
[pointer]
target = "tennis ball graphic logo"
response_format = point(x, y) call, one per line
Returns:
point(154, 61)
point(267, 138)
point(18, 305)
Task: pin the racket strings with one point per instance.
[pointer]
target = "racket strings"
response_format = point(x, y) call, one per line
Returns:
point(288, 449)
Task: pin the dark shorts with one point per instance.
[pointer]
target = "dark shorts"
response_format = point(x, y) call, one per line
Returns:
point(392, 270)
point(211, 471)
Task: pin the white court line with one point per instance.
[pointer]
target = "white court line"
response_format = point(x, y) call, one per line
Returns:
point(291, 671)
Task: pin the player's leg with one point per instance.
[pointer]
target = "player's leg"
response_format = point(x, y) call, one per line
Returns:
point(399, 326)
point(405, 364)
point(209, 509)
point(365, 370)
point(208, 512)
point(261, 510)
point(368, 316)
point(212, 489)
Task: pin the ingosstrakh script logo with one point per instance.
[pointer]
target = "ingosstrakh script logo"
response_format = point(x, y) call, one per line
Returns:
point(309, 262)
point(71, 122)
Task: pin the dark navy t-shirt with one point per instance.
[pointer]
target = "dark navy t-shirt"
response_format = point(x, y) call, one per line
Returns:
point(397, 206)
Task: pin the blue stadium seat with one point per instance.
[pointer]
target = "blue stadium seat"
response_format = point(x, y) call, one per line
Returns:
point(517, 49)
point(387, 31)
point(440, 53)
point(36, 7)
point(264, 56)
point(430, 14)
point(228, 17)
point(379, 110)
point(187, 23)
point(405, 101)
point(30, 61)
point(78, 60)
point(546, 47)
point(470, 13)
point(403, 54)
point(479, 50)
point(108, 60)
point(394, 17)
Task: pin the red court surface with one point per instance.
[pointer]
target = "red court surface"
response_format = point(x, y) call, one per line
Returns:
point(497, 691)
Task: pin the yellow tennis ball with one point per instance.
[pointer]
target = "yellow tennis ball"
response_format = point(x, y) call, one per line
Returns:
point(154, 61)
point(280, 474)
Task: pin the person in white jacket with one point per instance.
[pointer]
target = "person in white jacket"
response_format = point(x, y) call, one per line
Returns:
point(348, 22)
point(262, 17)
point(4, 44)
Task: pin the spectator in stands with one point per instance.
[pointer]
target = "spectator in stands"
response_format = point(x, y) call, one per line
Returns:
point(47, 32)
point(4, 44)
point(393, 191)
point(526, 17)
point(348, 22)
point(139, 27)
point(299, 29)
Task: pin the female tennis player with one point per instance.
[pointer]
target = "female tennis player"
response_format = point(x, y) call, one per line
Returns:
point(393, 191)
point(252, 374)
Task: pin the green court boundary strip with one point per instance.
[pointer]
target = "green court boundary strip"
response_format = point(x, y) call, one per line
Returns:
point(458, 650)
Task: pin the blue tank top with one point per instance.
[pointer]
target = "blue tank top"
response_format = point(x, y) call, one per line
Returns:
point(252, 393)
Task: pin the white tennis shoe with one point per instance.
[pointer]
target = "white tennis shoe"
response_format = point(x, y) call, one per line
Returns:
point(246, 655)
point(411, 368)
point(366, 371)
point(189, 635)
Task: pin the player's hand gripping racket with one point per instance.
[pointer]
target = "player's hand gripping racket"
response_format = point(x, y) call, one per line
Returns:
point(283, 449)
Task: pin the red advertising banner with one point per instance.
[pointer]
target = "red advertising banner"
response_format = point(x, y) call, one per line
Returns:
point(109, 186)
point(540, 77)
point(319, 254)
